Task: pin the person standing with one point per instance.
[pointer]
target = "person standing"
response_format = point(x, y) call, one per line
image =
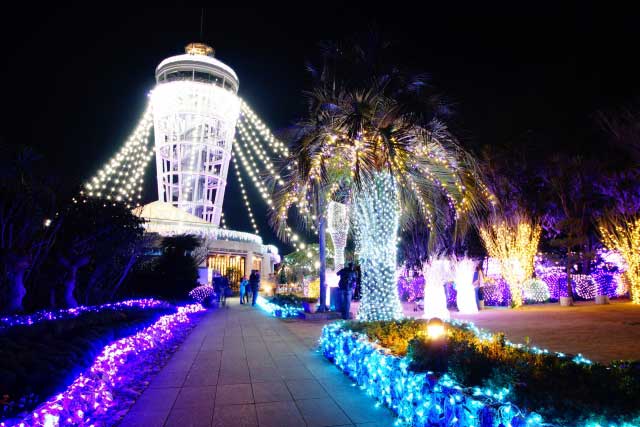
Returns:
point(254, 284)
point(478, 286)
point(346, 284)
point(217, 286)
point(244, 285)
point(225, 288)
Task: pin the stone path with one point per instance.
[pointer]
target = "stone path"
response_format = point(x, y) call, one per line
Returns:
point(239, 367)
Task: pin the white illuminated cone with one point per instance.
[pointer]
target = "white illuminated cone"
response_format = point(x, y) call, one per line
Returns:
point(195, 109)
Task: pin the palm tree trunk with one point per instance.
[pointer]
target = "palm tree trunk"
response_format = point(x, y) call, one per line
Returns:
point(322, 225)
point(376, 214)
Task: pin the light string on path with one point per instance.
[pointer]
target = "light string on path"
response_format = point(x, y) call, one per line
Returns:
point(122, 177)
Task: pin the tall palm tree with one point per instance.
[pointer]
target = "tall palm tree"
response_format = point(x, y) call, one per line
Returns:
point(377, 131)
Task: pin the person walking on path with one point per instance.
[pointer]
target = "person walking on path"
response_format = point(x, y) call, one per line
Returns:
point(254, 284)
point(478, 286)
point(217, 286)
point(225, 289)
point(347, 284)
point(244, 287)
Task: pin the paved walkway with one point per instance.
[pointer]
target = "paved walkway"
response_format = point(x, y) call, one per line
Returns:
point(239, 367)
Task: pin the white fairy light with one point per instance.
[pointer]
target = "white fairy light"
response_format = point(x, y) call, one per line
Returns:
point(338, 228)
point(376, 216)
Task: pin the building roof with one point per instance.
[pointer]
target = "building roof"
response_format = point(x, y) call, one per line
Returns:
point(198, 59)
point(160, 210)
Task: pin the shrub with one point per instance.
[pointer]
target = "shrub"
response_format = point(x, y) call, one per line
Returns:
point(38, 360)
point(560, 389)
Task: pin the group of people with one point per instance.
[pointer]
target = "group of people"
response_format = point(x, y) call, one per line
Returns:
point(249, 288)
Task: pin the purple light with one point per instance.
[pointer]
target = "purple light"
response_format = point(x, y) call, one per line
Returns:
point(201, 293)
point(412, 289)
point(45, 315)
point(88, 399)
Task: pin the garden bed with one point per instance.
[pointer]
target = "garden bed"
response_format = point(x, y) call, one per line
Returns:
point(43, 356)
point(488, 380)
point(285, 305)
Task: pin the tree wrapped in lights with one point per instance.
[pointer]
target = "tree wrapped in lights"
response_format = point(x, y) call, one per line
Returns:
point(622, 233)
point(338, 228)
point(465, 294)
point(376, 214)
point(514, 242)
point(436, 272)
point(376, 133)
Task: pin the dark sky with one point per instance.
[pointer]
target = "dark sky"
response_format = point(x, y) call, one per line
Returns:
point(74, 81)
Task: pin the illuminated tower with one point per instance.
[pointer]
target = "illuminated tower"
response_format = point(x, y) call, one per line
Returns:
point(195, 109)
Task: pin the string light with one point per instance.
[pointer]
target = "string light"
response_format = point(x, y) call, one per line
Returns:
point(376, 217)
point(436, 272)
point(416, 398)
point(121, 179)
point(514, 242)
point(106, 384)
point(244, 195)
point(278, 147)
point(465, 293)
point(338, 229)
point(622, 234)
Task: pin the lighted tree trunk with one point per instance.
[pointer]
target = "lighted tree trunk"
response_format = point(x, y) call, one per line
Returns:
point(69, 284)
point(17, 290)
point(323, 263)
point(376, 215)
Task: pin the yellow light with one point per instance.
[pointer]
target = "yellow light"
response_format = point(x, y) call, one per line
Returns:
point(435, 329)
point(514, 243)
point(622, 234)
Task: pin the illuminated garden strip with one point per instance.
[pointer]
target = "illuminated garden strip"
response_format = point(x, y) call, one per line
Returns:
point(418, 399)
point(276, 310)
point(88, 399)
point(485, 335)
point(122, 177)
point(244, 195)
point(45, 315)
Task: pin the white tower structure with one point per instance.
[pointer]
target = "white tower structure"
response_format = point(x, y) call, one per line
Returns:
point(195, 109)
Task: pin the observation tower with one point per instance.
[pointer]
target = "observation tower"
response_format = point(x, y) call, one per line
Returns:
point(195, 109)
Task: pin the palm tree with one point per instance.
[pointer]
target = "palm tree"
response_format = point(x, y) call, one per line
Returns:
point(377, 131)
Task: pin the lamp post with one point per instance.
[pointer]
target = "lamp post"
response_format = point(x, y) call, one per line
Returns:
point(437, 344)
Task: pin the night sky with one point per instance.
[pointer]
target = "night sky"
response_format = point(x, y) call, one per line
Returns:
point(74, 81)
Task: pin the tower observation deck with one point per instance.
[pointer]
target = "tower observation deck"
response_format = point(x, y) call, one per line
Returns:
point(195, 109)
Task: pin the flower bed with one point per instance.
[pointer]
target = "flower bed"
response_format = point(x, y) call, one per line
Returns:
point(70, 313)
point(283, 306)
point(101, 394)
point(39, 358)
point(488, 378)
